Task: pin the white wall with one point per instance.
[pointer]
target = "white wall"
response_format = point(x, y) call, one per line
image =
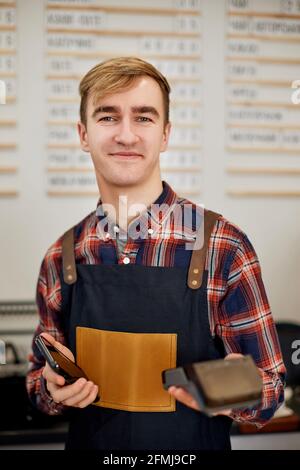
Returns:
point(32, 221)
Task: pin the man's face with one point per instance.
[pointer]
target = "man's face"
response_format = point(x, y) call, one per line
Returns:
point(125, 133)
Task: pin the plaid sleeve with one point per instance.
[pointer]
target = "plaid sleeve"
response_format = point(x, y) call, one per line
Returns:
point(246, 326)
point(48, 299)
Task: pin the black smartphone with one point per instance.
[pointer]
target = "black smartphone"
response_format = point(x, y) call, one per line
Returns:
point(58, 362)
point(218, 384)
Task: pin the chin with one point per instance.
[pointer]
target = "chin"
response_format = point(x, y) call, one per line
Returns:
point(125, 180)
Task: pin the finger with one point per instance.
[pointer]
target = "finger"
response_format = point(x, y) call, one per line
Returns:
point(79, 397)
point(90, 399)
point(233, 356)
point(223, 412)
point(184, 397)
point(68, 391)
point(59, 346)
point(51, 377)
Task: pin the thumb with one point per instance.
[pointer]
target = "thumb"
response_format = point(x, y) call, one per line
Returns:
point(233, 356)
point(63, 349)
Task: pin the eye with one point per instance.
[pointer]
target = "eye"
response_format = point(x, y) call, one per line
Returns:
point(144, 119)
point(107, 119)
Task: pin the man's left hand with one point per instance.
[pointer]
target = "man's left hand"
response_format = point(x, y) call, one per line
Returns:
point(187, 399)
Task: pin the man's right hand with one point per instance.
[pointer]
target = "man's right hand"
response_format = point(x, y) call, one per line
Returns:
point(79, 394)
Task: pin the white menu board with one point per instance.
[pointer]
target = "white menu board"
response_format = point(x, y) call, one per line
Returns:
point(262, 122)
point(8, 98)
point(81, 33)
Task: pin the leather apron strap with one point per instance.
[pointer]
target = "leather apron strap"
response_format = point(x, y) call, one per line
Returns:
point(68, 257)
point(197, 263)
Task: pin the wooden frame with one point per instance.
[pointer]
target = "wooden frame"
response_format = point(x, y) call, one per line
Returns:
point(264, 15)
point(8, 51)
point(265, 60)
point(143, 11)
point(8, 74)
point(11, 99)
point(264, 149)
point(8, 5)
point(72, 193)
point(95, 55)
point(263, 171)
point(262, 126)
point(8, 193)
point(9, 145)
point(268, 83)
point(262, 193)
point(7, 123)
point(64, 100)
point(260, 37)
point(265, 104)
point(70, 170)
point(7, 28)
point(109, 32)
point(8, 169)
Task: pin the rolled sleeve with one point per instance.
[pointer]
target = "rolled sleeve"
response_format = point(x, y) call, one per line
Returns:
point(246, 326)
point(48, 299)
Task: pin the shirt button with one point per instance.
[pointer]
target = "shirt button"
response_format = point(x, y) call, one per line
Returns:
point(150, 231)
point(126, 260)
point(116, 229)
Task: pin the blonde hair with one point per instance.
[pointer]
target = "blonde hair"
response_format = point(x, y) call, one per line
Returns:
point(118, 74)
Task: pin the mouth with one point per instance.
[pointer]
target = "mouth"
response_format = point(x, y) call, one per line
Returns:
point(126, 155)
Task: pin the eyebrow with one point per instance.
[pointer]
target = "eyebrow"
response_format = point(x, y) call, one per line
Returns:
point(135, 110)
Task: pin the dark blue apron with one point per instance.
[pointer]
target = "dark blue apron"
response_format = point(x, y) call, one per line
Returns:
point(142, 299)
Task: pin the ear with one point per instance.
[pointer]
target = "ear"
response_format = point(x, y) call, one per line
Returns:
point(82, 132)
point(165, 138)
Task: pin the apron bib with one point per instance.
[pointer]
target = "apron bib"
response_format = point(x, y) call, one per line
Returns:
point(125, 324)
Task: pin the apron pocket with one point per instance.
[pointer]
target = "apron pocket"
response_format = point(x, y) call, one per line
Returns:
point(128, 367)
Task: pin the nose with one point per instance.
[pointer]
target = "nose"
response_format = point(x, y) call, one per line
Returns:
point(126, 134)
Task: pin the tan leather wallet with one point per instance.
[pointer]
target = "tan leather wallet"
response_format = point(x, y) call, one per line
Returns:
point(127, 367)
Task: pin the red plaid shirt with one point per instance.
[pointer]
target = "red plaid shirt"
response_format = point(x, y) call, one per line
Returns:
point(239, 312)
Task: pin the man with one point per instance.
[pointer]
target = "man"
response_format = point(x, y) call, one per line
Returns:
point(128, 296)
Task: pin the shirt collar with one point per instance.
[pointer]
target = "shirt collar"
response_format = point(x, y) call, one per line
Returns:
point(148, 223)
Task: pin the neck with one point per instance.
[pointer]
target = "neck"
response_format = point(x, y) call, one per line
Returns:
point(129, 201)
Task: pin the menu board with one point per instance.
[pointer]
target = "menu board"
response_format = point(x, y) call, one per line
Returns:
point(8, 98)
point(81, 33)
point(262, 120)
